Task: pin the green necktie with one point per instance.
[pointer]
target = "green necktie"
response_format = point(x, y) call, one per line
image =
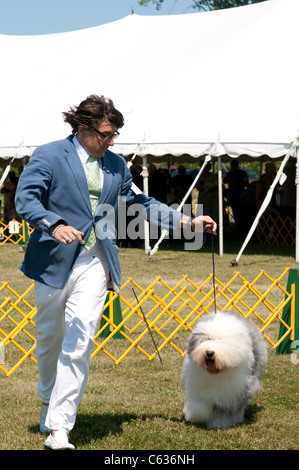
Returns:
point(94, 186)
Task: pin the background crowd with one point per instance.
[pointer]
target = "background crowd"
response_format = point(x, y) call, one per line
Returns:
point(242, 196)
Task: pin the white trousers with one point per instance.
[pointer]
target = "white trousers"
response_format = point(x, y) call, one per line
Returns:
point(66, 323)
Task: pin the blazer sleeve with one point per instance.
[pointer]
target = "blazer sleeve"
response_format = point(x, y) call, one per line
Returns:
point(32, 192)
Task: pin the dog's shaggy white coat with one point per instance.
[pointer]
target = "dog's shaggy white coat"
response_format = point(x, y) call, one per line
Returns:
point(222, 370)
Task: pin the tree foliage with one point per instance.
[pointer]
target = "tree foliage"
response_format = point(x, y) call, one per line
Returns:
point(205, 5)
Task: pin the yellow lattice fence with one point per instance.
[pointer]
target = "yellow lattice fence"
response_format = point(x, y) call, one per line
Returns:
point(274, 230)
point(170, 308)
point(14, 232)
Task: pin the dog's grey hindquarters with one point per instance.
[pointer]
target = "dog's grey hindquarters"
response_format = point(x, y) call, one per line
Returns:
point(222, 370)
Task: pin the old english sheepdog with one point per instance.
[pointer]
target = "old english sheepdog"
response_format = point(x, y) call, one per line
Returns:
point(222, 369)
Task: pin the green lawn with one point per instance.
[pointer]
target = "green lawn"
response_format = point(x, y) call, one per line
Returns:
point(138, 404)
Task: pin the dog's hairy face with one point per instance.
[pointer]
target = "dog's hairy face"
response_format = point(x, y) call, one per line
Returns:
point(219, 343)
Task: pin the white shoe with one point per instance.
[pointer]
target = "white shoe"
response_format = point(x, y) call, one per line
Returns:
point(58, 442)
point(43, 414)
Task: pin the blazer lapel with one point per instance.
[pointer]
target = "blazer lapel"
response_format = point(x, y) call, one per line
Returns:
point(108, 178)
point(76, 167)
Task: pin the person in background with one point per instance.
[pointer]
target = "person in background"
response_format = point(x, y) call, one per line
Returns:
point(136, 172)
point(9, 191)
point(237, 181)
point(263, 184)
point(181, 184)
point(157, 186)
point(288, 192)
point(207, 187)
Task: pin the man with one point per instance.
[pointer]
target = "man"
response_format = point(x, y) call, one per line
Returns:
point(70, 257)
point(237, 181)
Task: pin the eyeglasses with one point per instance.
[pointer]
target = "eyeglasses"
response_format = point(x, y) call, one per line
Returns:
point(107, 137)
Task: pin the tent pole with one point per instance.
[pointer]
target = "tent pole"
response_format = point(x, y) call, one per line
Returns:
point(220, 207)
point(4, 176)
point(297, 204)
point(147, 247)
point(7, 170)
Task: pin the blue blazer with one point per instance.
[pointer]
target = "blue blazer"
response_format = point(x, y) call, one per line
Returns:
point(53, 187)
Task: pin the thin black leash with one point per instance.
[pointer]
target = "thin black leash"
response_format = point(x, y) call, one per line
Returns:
point(213, 263)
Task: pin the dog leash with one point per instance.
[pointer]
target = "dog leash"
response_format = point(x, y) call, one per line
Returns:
point(213, 262)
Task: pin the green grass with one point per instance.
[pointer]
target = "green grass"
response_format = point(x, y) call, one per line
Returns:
point(138, 404)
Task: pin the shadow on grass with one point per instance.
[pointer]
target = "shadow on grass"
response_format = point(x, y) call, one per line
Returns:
point(250, 418)
point(232, 245)
point(93, 427)
point(251, 413)
point(89, 428)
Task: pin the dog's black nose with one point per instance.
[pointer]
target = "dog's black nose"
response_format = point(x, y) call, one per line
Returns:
point(210, 354)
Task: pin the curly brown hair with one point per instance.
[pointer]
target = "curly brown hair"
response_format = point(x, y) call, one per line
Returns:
point(93, 111)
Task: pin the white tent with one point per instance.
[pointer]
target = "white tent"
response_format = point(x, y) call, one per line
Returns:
point(223, 82)
point(182, 81)
point(240, 87)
